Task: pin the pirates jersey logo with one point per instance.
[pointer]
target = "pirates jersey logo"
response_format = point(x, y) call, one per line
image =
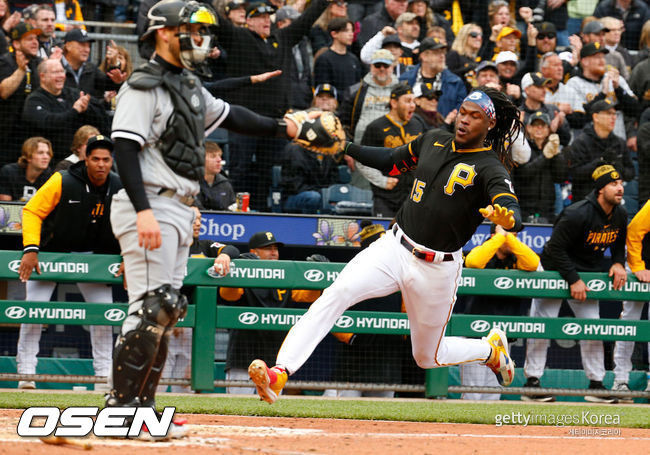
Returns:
point(463, 175)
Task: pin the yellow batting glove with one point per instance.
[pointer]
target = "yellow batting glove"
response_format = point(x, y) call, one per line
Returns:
point(499, 215)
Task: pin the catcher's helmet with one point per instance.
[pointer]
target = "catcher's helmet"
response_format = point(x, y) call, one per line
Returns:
point(174, 13)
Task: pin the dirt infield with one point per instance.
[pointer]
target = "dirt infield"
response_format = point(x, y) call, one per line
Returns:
point(210, 434)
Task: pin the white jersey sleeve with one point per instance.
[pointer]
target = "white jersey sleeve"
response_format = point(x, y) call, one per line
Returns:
point(137, 111)
point(216, 111)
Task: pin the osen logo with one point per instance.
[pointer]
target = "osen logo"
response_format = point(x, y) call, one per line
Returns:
point(344, 322)
point(113, 268)
point(480, 326)
point(14, 266)
point(313, 275)
point(572, 328)
point(15, 312)
point(503, 282)
point(597, 285)
point(114, 315)
point(248, 318)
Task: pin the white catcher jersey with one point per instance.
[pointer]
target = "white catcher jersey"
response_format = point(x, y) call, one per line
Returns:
point(142, 115)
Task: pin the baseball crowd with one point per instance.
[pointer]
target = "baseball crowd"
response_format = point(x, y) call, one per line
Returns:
point(391, 70)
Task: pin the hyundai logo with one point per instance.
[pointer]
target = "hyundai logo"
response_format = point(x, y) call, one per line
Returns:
point(572, 328)
point(503, 282)
point(114, 268)
point(248, 318)
point(480, 326)
point(15, 312)
point(114, 314)
point(314, 275)
point(597, 285)
point(344, 322)
point(213, 273)
point(14, 266)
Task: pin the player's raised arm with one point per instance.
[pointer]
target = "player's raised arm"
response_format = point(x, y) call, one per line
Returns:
point(391, 160)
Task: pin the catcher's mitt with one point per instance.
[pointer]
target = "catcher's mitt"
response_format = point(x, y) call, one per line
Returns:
point(318, 133)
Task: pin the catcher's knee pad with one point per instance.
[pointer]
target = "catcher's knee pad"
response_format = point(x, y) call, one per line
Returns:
point(164, 306)
point(133, 357)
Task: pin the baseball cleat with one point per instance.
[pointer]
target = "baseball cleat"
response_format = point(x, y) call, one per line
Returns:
point(177, 430)
point(499, 361)
point(268, 381)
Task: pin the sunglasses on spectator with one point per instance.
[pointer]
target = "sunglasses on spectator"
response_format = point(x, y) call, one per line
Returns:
point(380, 65)
point(547, 35)
point(475, 34)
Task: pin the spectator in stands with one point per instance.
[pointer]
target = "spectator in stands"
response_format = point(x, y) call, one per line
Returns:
point(463, 56)
point(8, 20)
point(428, 19)
point(18, 78)
point(305, 173)
point(426, 102)
point(546, 40)
point(403, 35)
point(261, 50)
point(644, 45)
point(44, 19)
point(556, 12)
point(19, 181)
point(498, 18)
point(643, 155)
point(504, 251)
point(66, 11)
point(506, 62)
point(216, 191)
point(78, 147)
point(534, 180)
point(394, 45)
point(487, 74)
point(595, 79)
point(236, 12)
point(396, 128)
point(338, 66)
point(633, 13)
point(508, 40)
point(557, 93)
point(431, 69)
point(318, 35)
point(638, 258)
point(264, 344)
point(612, 41)
point(640, 81)
point(69, 213)
point(116, 61)
point(387, 15)
point(597, 144)
point(369, 99)
point(84, 75)
point(56, 112)
point(534, 87)
point(594, 32)
point(578, 242)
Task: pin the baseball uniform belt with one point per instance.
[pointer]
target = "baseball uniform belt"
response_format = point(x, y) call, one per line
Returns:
point(171, 194)
point(429, 256)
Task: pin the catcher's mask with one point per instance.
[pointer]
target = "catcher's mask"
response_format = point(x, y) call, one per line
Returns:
point(195, 45)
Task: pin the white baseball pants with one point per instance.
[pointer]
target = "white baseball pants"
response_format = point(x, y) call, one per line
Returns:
point(428, 290)
point(101, 336)
point(623, 349)
point(591, 351)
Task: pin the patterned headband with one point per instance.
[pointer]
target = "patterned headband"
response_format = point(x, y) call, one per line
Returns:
point(483, 101)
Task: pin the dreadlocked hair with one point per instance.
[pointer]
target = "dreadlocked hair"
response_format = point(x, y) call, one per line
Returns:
point(507, 128)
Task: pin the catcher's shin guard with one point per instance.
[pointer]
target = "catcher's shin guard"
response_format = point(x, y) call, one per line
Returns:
point(147, 396)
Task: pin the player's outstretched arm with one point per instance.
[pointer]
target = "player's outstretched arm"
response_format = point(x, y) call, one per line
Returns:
point(392, 160)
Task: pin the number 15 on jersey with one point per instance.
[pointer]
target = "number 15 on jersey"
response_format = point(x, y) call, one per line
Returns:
point(417, 190)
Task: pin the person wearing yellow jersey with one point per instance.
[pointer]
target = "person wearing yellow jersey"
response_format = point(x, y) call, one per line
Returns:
point(638, 258)
point(503, 250)
point(70, 213)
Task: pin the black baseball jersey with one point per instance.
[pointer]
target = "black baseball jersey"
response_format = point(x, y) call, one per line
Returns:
point(450, 186)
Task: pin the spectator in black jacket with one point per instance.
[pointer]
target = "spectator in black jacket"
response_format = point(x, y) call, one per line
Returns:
point(580, 237)
point(216, 191)
point(597, 144)
point(377, 21)
point(633, 13)
point(18, 78)
point(19, 181)
point(56, 112)
point(255, 50)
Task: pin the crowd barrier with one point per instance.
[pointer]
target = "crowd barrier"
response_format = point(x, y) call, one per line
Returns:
point(204, 316)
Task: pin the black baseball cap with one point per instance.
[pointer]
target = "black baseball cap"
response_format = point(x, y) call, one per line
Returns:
point(21, 29)
point(98, 142)
point(400, 90)
point(262, 239)
point(594, 27)
point(79, 35)
point(592, 49)
point(426, 90)
point(430, 44)
point(391, 39)
point(326, 89)
point(257, 8)
point(599, 104)
point(546, 28)
point(235, 4)
point(538, 115)
point(486, 65)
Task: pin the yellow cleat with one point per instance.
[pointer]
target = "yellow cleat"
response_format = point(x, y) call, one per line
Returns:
point(268, 381)
point(499, 361)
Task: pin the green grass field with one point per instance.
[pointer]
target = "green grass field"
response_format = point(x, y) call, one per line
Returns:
point(402, 410)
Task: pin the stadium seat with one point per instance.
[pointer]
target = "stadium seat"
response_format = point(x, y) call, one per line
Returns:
point(344, 199)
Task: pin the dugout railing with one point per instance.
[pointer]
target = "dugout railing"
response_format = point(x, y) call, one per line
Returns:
point(204, 316)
